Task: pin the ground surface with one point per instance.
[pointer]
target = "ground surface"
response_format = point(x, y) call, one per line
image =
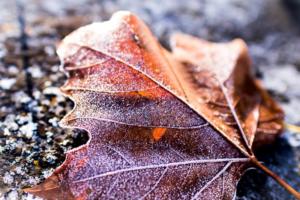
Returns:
point(32, 144)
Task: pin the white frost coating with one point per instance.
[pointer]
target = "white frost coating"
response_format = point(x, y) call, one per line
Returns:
point(109, 26)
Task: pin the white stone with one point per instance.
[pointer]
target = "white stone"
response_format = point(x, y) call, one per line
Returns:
point(7, 83)
point(7, 178)
point(13, 69)
point(35, 72)
point(27, 129)
point(52, 90)
point(13, 195)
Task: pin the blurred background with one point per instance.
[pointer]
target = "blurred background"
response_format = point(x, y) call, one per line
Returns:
point(32, 144)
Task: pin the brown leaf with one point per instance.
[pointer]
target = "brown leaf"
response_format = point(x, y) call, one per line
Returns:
point(231, 98)
point(150, 134)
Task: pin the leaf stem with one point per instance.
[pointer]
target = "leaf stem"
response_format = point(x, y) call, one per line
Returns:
point(284, 184)
point(292, 128)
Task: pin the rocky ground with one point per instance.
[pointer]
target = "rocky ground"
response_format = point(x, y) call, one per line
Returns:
point(32, 144)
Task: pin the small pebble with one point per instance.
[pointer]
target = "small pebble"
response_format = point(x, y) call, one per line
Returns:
point(7, 83)
point(8, 179)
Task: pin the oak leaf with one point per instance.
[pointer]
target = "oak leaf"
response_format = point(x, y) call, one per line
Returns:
point(151, 137)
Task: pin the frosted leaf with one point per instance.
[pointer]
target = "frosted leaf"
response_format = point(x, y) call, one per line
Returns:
point(151, 137)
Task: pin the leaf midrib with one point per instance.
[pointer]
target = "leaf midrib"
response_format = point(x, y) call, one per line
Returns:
point(172, 164)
